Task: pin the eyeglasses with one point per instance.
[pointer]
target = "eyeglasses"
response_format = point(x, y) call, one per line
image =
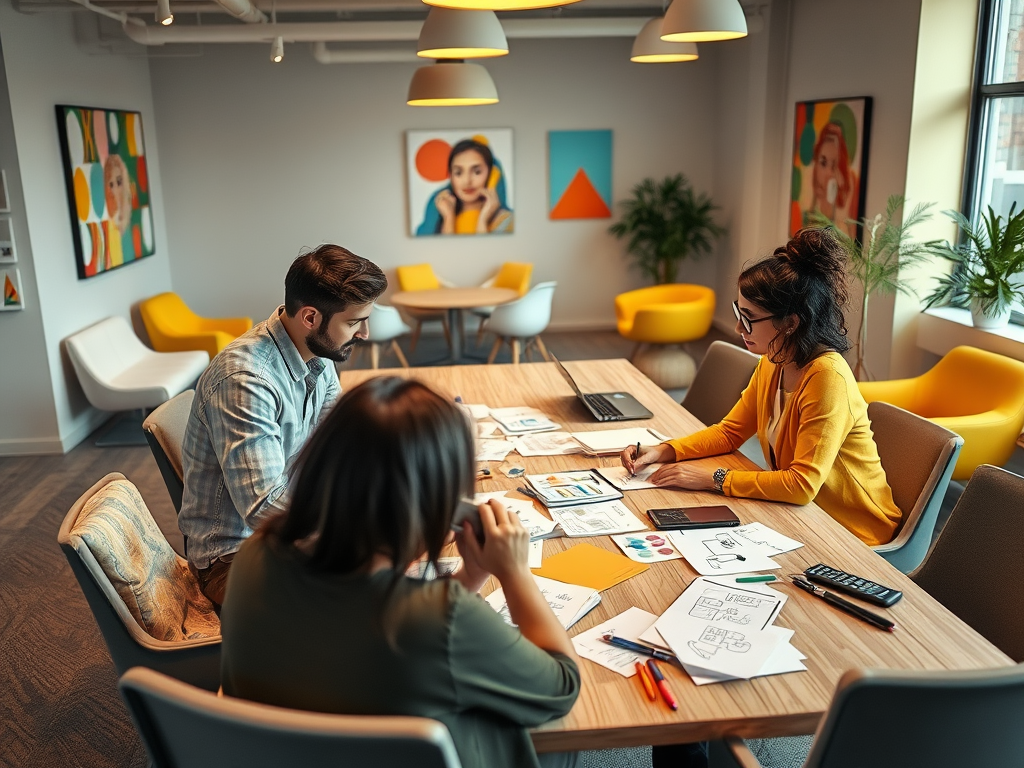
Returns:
point(746, 322)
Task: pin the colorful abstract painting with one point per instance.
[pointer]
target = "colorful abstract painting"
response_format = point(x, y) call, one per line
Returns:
point(107, 177)
point(580, 174)
point(13, 297)
point(830, 161)
point(460, 181)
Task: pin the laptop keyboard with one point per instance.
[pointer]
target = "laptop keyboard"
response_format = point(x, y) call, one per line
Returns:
point(600, 404)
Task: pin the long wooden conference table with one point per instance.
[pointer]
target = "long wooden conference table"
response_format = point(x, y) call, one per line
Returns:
point(612, 710)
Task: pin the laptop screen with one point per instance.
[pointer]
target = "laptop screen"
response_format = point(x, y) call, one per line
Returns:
point(567, 376)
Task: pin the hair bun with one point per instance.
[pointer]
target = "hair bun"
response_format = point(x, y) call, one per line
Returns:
point(815, 250)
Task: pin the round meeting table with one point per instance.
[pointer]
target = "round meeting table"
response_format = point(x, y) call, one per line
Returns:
point(453, 301)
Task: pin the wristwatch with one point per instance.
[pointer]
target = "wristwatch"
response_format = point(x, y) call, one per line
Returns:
point(719, 477)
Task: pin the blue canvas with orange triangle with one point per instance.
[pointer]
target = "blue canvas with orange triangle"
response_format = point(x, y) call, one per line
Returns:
point(580, 174)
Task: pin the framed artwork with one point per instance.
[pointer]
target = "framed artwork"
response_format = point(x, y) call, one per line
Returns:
point(579, 174)
point(107, 177)
point(460, 181)
point(14, 299)
point(830, 161)
point(8, 254)
point(5, 200)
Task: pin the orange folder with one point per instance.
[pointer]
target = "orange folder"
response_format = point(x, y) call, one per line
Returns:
point(589, 566)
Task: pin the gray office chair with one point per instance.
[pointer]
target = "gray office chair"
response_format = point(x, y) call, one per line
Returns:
point(918, 457)
point(184, 726)
point(944, 720)
point(144, 598)
point(724, 373)
point(165, 432)
point(976, 568)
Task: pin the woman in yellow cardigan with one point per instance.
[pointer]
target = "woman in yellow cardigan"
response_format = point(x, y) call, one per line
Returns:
point(802, 401)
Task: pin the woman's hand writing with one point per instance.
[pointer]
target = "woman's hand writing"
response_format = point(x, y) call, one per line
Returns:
point(649, 455)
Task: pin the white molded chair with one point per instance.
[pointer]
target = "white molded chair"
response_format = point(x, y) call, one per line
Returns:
point(522, 320)
point(918, 457)
point(184, 726)
point(386, 325)
point(119, 373)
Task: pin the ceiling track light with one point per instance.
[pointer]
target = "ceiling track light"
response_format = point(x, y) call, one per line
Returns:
point(163, 12)
point(700, 21)
point(451, 83)
point(452, 34)
point(649, 48)
point(277, 50)
point(498, 5)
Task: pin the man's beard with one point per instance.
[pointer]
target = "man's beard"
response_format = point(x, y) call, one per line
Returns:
point(319, 343)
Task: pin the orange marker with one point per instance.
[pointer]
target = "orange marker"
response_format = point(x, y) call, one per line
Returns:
point(659, 678)
point(645, 678)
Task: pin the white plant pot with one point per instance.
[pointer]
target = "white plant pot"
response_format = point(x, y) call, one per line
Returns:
point(981, 319)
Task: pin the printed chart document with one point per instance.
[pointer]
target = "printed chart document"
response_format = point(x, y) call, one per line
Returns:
point(604, 441)
point(620, 477)
point(718, 551)
point(563, 489)
point(726, 629)
point(628, 625)
point(547, 444)
point(590, 566)
point(601, 519)
point(569, 602)
point(521, 420)
point(539, 526)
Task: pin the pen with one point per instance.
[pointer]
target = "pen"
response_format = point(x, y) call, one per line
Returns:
point(752, 579)
point(636, 456)
point(645, 679)
point(845, 605)
point(527, 492)
point(629, 645)
point(662, 683)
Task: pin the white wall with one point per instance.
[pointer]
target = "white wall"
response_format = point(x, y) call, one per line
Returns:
point(45, 67)
point(268, 159)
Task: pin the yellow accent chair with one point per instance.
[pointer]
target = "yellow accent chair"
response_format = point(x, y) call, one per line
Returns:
point(421, 277)
point(663, 315)
point(173, 327)
point(977, 394)
point(513, 274)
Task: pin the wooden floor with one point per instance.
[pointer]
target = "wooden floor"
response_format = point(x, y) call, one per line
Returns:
point(57, 684)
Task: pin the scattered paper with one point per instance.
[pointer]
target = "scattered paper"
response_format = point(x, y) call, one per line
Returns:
point(768, 541)
point(493, 450)
point(600, 519)
point(536, 559)
point(512, 471)
point(547, 444)
point(486, 428)
point(590, 566)
point(539, 526)
point(786, 658)
point(569, 602)
point(647, 547)
point(571, 488)
point(424, 569)
point(604, 441)
point(522, 419)
point(476, 412)
point(627, 625)
point(716, 551)
point(621, 479)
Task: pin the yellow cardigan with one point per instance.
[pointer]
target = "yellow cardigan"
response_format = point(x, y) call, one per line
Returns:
point(824, 447)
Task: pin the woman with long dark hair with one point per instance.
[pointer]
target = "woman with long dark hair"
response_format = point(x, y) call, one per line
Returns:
point(802, 401)
point(320, 614)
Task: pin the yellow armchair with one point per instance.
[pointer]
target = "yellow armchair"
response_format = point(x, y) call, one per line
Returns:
point(977, 394)
point(665, 314)
point(173, 327)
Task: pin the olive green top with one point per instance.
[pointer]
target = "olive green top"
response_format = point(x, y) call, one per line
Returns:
point(314, 642)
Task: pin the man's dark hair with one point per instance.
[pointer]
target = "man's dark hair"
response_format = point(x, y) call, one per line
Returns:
point(330, 278)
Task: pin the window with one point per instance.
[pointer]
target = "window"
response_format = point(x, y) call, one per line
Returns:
point(996, 154)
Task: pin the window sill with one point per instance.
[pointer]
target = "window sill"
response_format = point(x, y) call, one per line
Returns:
point(941, 329)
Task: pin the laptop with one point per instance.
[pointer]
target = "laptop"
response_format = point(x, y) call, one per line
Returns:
point(606, 406)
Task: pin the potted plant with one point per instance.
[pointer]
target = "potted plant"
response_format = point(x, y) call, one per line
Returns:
point(875, 263)
point(666, 223)
point(988, 266)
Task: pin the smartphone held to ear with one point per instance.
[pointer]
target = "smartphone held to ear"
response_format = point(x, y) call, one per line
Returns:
point(689, 518)
point(467, 511)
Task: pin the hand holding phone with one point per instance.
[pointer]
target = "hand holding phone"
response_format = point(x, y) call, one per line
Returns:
point(689, 518)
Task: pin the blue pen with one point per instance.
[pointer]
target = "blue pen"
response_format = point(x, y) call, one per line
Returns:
point(646, 650)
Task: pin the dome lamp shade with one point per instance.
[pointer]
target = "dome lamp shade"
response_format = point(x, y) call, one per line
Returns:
point(451, 83)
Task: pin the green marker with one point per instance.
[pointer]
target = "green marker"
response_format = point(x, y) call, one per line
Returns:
point(751, 579)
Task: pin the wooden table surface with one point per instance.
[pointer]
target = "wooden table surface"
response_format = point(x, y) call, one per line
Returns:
point(453, 298)
point(611, 710)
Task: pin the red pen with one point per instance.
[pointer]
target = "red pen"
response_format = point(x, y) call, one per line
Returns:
point(662, 684)
point(645, 678)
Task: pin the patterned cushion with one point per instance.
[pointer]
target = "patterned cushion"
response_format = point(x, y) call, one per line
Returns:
point(155, 584)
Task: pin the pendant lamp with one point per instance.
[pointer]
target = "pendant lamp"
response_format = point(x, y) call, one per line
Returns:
point(649, 48)
point(498, 5)
point(699, 21)
point(451, 83)
point(451, 34)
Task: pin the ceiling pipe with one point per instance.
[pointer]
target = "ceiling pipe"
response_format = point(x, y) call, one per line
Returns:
point(372, 31)
point(244, 11)
point(325, 55)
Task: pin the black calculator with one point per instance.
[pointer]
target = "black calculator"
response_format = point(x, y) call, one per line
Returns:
point(852, 585)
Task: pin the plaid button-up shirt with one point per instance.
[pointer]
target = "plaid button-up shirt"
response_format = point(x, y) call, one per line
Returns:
point(255, 406)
